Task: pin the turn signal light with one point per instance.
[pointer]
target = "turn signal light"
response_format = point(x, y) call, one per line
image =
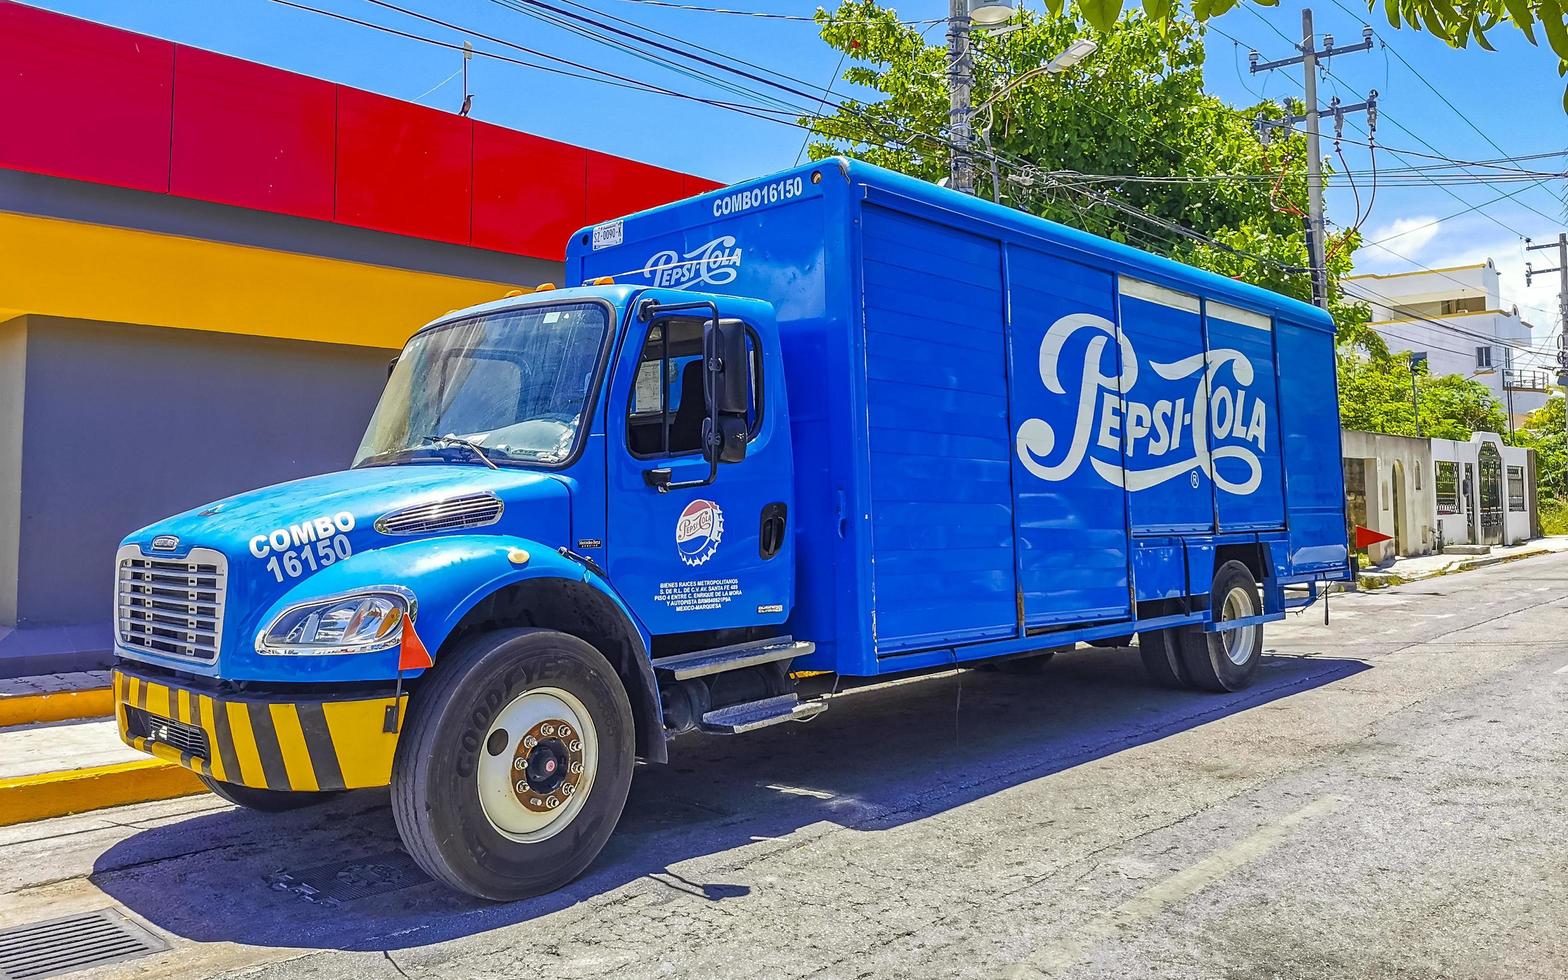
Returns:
point(513, 292)
point(544, 287)
point(604, 281)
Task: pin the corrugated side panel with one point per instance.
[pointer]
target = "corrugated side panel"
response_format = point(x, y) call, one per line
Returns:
point(940, 484)
point(1162, 410)
point(1244, 419)
point(1314, 474)
point(1072, 512)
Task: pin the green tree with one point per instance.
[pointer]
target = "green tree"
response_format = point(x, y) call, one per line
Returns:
point(1375, 396)
point(1456, 22)
point(1131, 128)
point(1546, 431)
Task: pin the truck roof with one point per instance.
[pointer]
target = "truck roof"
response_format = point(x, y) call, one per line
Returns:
point(1130, 258)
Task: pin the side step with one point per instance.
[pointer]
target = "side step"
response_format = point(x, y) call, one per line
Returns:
point(701, 663)
point(739, 718)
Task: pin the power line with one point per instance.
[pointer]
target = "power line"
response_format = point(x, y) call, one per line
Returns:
point(586, 74)
point(758, 14)
point(1433, 88)
point(1409, 315)
point(1250, 9)
point(1165, 227)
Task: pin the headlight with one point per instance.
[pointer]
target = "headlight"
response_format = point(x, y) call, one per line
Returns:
point(358, 622)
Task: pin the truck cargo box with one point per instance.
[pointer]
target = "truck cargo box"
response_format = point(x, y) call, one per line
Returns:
point(1008, 433)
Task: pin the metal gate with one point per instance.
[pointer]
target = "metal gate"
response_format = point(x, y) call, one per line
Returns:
point(1491, 463)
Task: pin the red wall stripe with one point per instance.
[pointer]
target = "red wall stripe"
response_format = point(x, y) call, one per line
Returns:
point(252, 136)
point(403, 168)
point(529, 193)
point(95, 103)
point(82, 100)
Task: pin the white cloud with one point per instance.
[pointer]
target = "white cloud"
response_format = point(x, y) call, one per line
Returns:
point(1406, 236)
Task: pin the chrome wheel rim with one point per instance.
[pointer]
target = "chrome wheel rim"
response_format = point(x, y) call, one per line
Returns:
point(1241, 643)
point(537, 764)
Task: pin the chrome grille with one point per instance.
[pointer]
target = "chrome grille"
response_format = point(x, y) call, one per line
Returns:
point(457, 513)
point(172, 607)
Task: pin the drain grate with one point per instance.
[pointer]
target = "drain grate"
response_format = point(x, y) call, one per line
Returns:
point(350, 881)
point(76, 942)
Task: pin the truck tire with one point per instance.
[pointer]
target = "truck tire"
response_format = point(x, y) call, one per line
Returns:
point(514, 763)
point(263, 800)
point(1162, 660)
point(1225, 661)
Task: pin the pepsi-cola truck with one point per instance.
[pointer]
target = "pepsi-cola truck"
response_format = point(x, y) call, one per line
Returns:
point(833, 420)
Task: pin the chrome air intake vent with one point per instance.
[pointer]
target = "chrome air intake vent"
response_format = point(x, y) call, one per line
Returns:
point(455, 514)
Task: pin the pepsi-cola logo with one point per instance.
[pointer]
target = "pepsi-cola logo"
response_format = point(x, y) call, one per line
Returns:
point(698, 531)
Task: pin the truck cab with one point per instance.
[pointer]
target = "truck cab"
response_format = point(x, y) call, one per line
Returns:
point(525, 454)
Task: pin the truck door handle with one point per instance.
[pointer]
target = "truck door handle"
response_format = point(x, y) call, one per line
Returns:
point(770, 539)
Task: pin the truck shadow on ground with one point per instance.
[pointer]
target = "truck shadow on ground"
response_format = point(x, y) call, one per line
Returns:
point(878, 758)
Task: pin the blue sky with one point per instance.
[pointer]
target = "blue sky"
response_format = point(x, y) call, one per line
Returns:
point(1513, 97)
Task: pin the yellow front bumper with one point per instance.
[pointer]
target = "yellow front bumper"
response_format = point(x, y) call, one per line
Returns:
point(264, 744)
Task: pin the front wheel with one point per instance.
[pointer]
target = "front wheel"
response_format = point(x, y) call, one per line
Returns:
point(515, 763)
point(1227, 660)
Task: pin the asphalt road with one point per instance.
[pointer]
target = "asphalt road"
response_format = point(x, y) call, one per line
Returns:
point(1389, 800)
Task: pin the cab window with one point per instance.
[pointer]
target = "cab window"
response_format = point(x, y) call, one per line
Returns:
point(668, 402)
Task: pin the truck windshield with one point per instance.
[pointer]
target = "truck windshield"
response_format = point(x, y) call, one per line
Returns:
point(511, 385)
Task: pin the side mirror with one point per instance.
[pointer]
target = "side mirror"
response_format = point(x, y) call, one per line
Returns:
point(732, 372)
point(724, 432)
point(731, 440)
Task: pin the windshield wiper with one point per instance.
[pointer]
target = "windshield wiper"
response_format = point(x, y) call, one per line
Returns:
point(467, 444)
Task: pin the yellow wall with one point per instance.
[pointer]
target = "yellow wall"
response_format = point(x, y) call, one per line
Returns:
point(95, 272)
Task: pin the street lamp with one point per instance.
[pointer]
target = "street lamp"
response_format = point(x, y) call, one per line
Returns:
point(989, 13)
point(1075, 52)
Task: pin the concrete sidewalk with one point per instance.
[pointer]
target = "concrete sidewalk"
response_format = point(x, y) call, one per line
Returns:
point(1428, 566)
point(60, 751)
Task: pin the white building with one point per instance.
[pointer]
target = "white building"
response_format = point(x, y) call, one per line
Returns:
point(1456, 317)
point(1432, 494)
point(1483, 491)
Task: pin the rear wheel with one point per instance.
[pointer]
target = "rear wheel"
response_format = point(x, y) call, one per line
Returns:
point(514, 764)
point(1161, 653)
point(1226, 660)
point(264, 800)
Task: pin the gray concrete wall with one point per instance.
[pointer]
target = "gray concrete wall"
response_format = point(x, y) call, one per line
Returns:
point(128, 424)
point(13, 378)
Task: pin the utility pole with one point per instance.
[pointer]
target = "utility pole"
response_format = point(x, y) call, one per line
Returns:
point(960, 79)
point(1562, 296)
point(1308, 60)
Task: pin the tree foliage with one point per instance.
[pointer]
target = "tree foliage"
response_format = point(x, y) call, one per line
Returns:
point(1546, 431)
point(1380, 393)
point(1055, 144)
point(1456, 22)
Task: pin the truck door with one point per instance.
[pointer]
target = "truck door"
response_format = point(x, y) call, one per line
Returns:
point(702, 557)
point(1249, 485)
point(1165, 404)
point(1070, 508)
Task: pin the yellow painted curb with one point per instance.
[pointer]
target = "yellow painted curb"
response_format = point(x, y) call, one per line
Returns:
point(30, 709)
point(56, 794)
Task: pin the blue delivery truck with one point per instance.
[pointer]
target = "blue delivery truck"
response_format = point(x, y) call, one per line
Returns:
point(834, 420)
